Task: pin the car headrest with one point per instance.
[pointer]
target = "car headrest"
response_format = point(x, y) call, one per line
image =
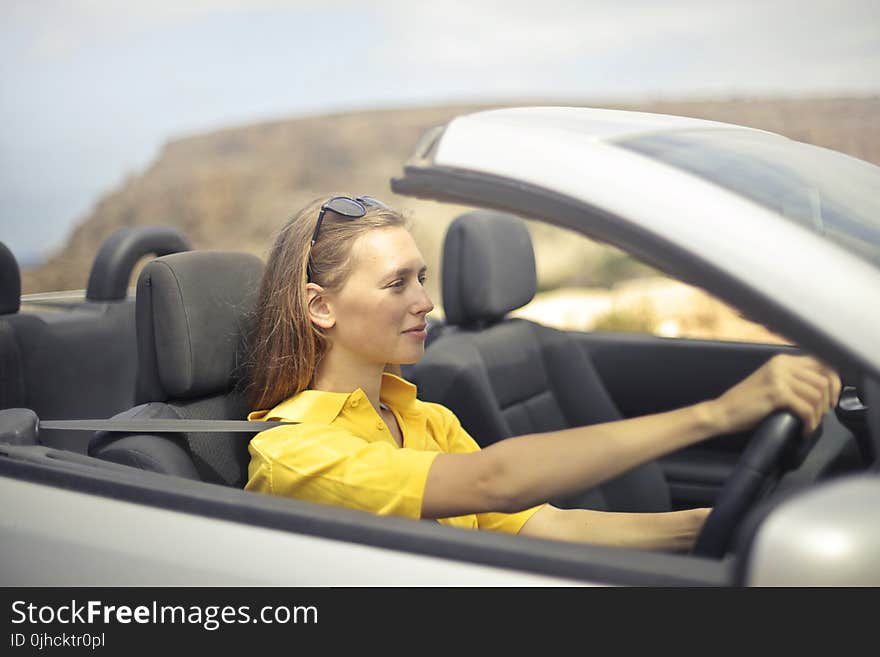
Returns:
point(488, 267)
point(10, 282)
point(193, 312)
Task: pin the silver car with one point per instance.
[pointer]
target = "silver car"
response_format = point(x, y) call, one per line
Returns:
point(785, 232)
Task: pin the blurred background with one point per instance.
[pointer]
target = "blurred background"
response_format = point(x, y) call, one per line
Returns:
point(223, 117)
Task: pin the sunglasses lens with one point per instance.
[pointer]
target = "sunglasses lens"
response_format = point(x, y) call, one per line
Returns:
point(369, 200)
point(347, 207)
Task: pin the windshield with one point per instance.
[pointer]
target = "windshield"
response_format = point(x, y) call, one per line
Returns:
point(835, 195)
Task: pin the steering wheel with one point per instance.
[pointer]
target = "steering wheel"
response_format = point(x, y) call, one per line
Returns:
point(762, 459)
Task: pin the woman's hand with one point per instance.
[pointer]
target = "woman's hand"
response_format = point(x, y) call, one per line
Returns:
point(674, 531)
point(800, 384)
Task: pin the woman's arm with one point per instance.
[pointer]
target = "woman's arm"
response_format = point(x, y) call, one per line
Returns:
point(676, 531)
point(518, 473)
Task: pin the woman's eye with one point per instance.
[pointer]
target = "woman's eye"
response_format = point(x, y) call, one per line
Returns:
point(401, 282)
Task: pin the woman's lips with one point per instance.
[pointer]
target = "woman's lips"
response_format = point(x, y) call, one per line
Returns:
point(418, 331)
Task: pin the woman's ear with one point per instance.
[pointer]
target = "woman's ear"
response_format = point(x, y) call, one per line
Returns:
point(320, 310)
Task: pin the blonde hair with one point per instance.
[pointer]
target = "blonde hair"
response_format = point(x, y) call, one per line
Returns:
point(286, 345)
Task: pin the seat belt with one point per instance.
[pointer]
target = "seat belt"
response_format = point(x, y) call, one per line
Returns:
point(162, 425)
point(21, 426)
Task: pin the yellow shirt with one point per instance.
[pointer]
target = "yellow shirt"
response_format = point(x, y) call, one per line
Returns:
point(342, 453)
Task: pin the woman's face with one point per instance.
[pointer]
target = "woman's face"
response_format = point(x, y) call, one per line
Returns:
point(380, 311)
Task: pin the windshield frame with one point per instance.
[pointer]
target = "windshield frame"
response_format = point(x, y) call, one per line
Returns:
point(819, 189)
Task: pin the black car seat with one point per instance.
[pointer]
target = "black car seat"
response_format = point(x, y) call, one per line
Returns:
point(192, 314)
point(77, 359)
point(505, 376)
point(11, 372)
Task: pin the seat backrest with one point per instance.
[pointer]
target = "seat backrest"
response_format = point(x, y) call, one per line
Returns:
point(11, 371)
point(10, 281)
point(193, 313)
point(506, 376)
point(69, 358)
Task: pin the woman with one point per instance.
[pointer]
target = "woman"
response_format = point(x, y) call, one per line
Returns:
point(342, 303)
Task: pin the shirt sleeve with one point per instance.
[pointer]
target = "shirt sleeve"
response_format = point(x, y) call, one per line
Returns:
point(327, 465)
point(460, 441)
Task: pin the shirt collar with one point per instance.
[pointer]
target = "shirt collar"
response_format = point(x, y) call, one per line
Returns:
point(397, 392)
point(323, 407)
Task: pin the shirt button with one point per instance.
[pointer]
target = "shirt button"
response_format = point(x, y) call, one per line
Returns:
point(380, 426)
point(353, 403)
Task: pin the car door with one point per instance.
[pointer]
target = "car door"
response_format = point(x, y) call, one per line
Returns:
point(645, 374)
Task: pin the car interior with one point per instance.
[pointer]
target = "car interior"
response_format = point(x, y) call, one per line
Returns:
point(76, 358)
point(178, 352)
point(192, 316)
point(508, 376)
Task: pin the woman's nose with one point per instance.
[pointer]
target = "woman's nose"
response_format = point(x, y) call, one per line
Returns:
point(423, 304)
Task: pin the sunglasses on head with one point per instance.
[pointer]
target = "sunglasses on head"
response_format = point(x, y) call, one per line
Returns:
point(347, 208)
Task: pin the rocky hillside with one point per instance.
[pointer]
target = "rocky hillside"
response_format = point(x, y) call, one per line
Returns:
point(234, 188)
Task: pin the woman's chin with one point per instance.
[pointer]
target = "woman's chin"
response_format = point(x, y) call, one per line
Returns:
point(408, 359)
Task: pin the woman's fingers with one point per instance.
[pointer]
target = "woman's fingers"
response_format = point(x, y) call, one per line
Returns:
point(827, 378)
point(820, 384)
point(808, 403)
point(834, 385)
point(802, 384)
point(806, 386)
point(831, 377)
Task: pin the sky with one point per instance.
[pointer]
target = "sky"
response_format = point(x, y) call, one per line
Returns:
point(90, 90)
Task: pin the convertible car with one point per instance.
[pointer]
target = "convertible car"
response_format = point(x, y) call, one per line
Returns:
point(786, 233)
